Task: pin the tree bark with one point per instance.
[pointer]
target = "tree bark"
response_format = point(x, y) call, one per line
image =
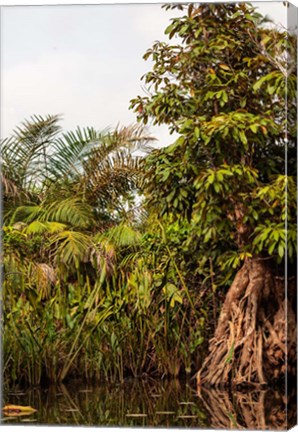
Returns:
point(255, 339)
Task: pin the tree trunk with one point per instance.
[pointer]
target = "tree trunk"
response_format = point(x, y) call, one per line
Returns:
point(255, 339)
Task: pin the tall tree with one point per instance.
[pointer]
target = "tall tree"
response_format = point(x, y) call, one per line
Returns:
point(228, 87)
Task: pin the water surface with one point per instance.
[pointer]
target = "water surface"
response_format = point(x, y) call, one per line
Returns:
point(151, 403)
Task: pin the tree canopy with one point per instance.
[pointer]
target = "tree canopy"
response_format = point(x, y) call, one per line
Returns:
point(227, 85)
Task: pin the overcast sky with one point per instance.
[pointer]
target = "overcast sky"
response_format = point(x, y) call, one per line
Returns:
point(84, 62)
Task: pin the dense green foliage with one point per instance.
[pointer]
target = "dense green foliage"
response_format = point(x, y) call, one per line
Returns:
point(225, 89)
point(80, 273)
point(98, 283)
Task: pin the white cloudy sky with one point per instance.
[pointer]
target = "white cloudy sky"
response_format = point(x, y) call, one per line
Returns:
point(84, 62)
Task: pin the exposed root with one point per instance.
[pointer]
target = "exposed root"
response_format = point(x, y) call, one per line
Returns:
point(252, 342)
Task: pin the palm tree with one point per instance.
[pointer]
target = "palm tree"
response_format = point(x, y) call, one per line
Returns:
point(24, 157)
point(40, 164)
point(69, 187)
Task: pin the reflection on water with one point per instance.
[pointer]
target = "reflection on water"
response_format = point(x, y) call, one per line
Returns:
point(152, 403)
point(251, 410)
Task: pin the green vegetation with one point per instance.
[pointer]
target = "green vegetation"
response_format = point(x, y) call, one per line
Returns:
point(101, 283)
point(84, 290)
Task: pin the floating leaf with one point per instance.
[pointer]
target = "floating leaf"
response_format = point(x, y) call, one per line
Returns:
point(224, 66)
point(14, 410)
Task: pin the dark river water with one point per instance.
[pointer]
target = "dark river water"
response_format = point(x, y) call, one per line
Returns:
point(151, 403)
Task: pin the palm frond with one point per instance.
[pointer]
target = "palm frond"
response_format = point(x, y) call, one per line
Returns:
point(123, 236)
point(37, 129)
point(103, 255)
point(25, 214)
point(9, 187)
point(107, 177)
point(133, 137)
point(71, 247)
point(44, 277)
point(37, 227)
point(71, 149)
point(72, 211)
point(24, 155)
